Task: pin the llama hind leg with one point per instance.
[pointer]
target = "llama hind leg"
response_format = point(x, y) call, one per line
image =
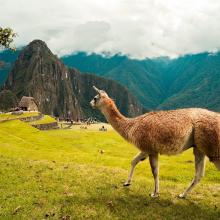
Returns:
point(155, 171)
point(199, 171)
point(139, 157)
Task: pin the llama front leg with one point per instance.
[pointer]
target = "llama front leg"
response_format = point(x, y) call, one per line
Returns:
point(139, 157)
point(199, 171)
point(153, 158)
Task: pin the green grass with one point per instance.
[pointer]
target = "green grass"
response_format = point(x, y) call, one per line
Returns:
point(8, 116)
point(45, 120)
point(60, 174)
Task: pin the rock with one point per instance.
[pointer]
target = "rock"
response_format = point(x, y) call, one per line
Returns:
point(58, 90)
point(101, 151)
point(16, 210)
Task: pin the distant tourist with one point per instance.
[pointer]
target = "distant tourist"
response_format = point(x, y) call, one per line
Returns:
point(103, 128)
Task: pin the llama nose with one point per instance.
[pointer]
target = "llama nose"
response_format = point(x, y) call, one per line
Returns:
point(92, 103)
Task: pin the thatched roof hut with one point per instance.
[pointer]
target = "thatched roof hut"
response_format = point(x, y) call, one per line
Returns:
point(28, 104)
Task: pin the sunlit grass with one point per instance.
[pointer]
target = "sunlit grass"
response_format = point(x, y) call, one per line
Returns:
point(9, 115)
point(61, 174)
point(46, 119)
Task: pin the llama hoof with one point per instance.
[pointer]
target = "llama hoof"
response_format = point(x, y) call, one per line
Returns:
point(126, 184)
point(154, 195)
point(182, 196)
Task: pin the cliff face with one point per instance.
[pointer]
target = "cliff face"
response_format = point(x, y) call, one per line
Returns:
point(40, 74)
point(161, 83)
point(82, 87)
point(58, 90)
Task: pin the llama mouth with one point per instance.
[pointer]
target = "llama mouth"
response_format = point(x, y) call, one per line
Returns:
point(92, 104)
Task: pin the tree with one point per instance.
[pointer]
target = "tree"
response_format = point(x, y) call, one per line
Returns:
point(7, 36)
point(7, 100)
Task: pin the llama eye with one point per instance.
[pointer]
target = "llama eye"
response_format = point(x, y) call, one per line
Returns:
point(95, 99)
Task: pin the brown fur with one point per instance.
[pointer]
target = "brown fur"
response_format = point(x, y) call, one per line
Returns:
point(168, 132)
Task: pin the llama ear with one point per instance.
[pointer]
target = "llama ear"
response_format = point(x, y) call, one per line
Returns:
point(100, 91)
point(97, 90)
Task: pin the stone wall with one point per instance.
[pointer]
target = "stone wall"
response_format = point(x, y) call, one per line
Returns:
point(48, 126)
point(25, 119)
point(32, 118)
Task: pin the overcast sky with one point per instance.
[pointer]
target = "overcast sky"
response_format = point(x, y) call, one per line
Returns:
point(139, 28)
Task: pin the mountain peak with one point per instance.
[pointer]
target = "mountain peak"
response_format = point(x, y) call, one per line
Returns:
point(37, 42)
point(58, 90)
point(38, 46)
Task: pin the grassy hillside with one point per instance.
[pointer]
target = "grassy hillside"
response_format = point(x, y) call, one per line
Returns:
point(9, 115)
point(46, 119)
point(61, 174)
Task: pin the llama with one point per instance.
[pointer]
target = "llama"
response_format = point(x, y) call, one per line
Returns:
point(166, 132)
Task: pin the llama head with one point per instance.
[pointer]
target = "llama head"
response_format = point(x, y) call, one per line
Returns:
point(100, 100)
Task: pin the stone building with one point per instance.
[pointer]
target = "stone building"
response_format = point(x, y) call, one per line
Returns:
point(28, 104)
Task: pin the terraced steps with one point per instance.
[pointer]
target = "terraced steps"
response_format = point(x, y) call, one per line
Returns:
point(35, 119)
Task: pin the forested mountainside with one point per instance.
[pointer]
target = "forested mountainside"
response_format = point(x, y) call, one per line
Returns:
point(7, 59)
point(59, 90)
point(160, 83)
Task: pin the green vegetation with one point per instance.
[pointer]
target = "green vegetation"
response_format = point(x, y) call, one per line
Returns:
point(45, 120)
point(7, 59)
point(141, 77)
point(7, 100)
point(7, 36)
point(161, 83)
point(61, 174)
point(8, 116)
point(71, 95)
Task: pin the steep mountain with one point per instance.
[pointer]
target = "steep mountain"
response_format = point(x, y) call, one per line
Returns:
point(59, 90)
point(93, 63)
point(195, 82)
point(161, 83)
point(82, 86)
point(141, 77)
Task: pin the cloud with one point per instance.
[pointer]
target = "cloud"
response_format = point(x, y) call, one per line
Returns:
point(89, 37)
point(143, 28)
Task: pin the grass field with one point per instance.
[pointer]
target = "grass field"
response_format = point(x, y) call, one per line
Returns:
point(8, 116)
point(45, 120)
point(61, 174)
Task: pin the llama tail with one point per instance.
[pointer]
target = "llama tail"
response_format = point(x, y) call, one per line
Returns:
point(217, 164)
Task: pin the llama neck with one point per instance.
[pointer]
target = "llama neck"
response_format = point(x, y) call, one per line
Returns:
point(115, 118)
